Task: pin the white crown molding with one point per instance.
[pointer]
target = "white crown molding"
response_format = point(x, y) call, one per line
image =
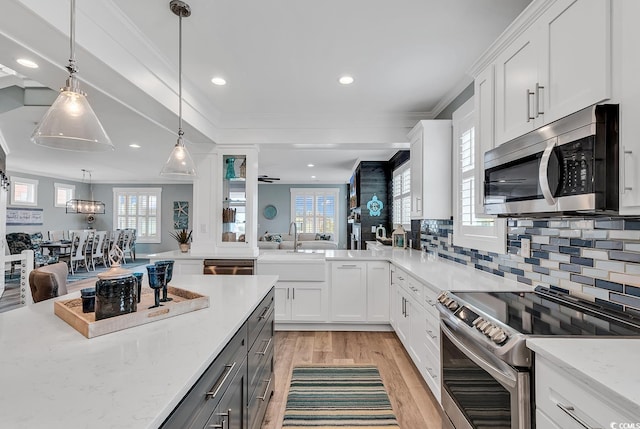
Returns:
point(451, 95)
point(515, 29)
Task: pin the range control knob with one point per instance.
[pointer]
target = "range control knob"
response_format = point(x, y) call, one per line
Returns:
point(477, 321)
point(442, 297)
point(488, 328)
point(482, 324)
point(452, 305)
point(499, 336)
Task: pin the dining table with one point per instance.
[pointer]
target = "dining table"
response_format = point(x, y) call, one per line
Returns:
point(57, 247)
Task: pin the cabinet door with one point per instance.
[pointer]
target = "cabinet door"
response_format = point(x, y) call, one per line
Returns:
point(403, 322)
point(231, 413)
point(378, 283)
point(575, 62)
point(416, 155)
point(309, 302)
point(516, 77)
point(348, 292)
point(282, 302)
point(628, 95)
point(484, 123)
point(416, 316)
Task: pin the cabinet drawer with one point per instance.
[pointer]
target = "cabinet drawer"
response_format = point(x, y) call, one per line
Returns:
point(259, 399)
point(260, 352)
point(415, 289)
point(431, 369)
point(399, 277)
point(570, 404)
point(259, 317)
point(197, 406)
point(430, 298)
point(296, 272)
point(432, 331)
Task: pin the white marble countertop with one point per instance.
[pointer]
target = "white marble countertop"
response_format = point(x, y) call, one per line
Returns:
point(177, 254)
point(52, 376)
point(607, 365)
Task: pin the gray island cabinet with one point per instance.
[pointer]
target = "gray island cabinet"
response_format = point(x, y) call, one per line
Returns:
point(143, 377)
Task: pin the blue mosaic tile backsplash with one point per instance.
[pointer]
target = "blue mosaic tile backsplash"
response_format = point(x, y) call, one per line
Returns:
point(598, 259)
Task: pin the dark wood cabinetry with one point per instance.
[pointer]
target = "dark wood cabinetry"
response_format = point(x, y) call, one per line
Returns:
point(234, 391)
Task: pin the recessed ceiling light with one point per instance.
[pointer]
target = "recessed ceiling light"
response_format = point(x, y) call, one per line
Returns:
point(346, 80)
point(313, 177)
point(218, 81)
point(310, 165)
point(134, 145)
point(27, 63)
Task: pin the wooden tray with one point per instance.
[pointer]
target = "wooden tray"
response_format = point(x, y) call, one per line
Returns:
point(184, 301)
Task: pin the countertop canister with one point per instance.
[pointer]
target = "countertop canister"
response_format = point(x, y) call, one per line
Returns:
point(116, 292)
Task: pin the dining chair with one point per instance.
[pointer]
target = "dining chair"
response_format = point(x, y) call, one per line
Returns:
point(98, 249)
point(78, 245)
point(57, 235)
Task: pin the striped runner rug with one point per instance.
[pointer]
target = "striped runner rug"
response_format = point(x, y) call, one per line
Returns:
point(327, 397)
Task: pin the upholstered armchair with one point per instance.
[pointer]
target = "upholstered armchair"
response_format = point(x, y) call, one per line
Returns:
point(48, 281)
point(17, 242)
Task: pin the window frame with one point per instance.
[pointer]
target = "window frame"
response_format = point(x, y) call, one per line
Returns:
point(308, 191)
point(490, 237)
point(29, 182)
point(157, 192)
point(58, 186)
point(404, 170)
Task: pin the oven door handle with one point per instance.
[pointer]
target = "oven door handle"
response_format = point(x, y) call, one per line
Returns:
point(505, 378)
point(543, 170)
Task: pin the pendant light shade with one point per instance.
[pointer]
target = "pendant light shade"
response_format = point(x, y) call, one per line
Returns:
point(70, 123)
point(180, 162)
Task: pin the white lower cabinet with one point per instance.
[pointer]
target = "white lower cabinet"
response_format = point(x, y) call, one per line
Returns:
point(360, 292)
point(417, 324)
point(301, 302)
point(348, 291)
point(563, 401)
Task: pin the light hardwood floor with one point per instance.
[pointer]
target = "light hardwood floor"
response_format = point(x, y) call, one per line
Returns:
point(412, 401)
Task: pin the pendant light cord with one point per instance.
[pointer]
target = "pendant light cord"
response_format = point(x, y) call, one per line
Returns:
point(180, 132)
point(72, 41)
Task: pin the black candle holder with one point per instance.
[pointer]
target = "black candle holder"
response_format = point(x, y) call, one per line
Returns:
point(168, 265)
point(156, 276)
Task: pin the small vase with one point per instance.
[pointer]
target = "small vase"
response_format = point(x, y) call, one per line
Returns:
point(184, 247)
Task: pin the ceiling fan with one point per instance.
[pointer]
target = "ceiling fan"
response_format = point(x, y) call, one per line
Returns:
point(267, 179)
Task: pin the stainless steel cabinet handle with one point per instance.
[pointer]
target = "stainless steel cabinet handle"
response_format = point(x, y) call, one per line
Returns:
point(264, 313)
point(571, 413)
point(430, 332)
point(225, 417)
point(529, 94)
point(293, 293)
point(263, 352)
point(287, 293)
point(348, 266)
point(266, 390)
point(220, 382)
point(400, 278)
point(538, 111)
point(429, 370)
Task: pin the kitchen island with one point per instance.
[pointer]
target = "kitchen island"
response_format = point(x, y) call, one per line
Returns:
point(52, 376)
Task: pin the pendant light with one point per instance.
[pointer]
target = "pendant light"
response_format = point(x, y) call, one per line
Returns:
point(70, 123)
point(180, 162)
point(89, 206)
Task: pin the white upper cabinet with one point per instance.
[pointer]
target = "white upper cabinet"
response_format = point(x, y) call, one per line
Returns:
point(627, 93)
point(559, 65)
point(431, 170)
point(484, 124)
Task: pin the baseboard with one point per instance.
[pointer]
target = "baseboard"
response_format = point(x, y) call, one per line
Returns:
point(364, 327)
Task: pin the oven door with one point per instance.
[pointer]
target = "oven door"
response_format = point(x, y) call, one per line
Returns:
point(478, 389)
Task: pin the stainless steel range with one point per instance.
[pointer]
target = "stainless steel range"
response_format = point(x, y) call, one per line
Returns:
point(486, 366)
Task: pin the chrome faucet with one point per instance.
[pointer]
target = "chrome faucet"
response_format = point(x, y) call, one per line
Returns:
point(295, 235)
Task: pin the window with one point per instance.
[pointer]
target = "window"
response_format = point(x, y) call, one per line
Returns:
point(315, 210)
point(471, 229)
point(63, 193)
point(24, 192)
point(138, 208)
point(401, 209)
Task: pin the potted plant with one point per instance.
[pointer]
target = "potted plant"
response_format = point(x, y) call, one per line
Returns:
point(183, 237)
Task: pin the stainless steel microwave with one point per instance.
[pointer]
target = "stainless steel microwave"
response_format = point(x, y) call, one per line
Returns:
point(568, 166)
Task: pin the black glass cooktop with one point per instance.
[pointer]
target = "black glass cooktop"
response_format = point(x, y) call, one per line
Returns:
point(547, 312)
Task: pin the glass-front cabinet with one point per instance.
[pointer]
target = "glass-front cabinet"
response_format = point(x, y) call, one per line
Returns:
point(225, 202)
point(234, 198)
